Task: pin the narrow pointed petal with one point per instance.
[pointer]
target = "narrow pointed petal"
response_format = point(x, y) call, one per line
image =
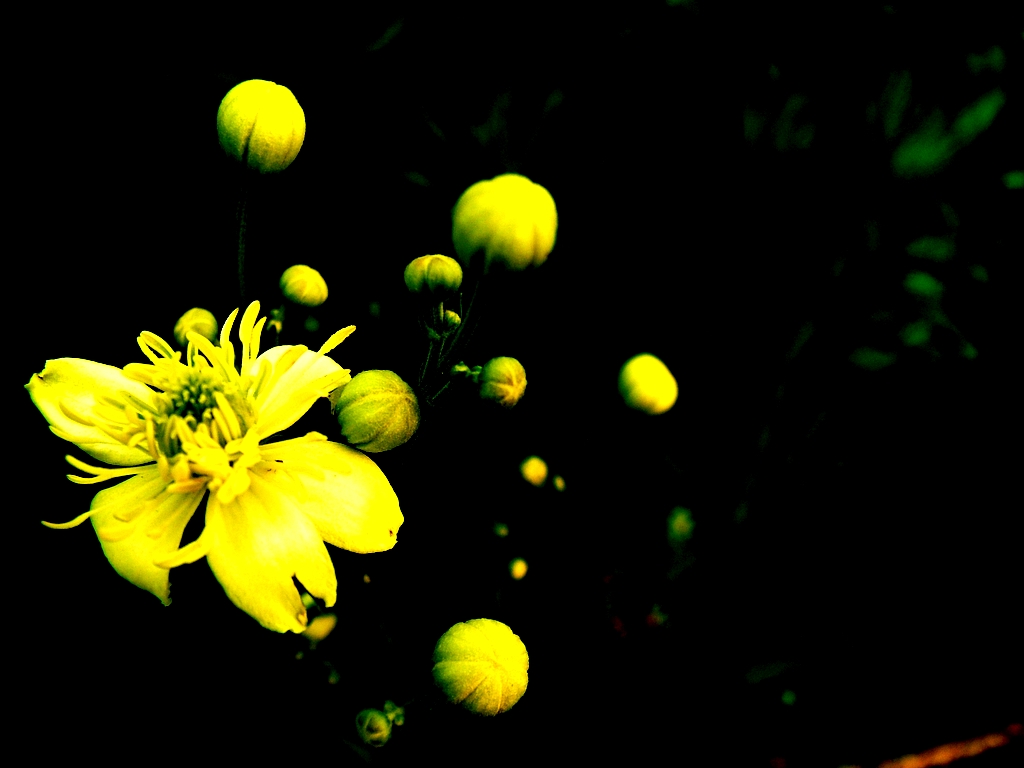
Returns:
point(80, 385)
point(347, 496)
point(138, 524)
point(257, 544)
point(292, 392)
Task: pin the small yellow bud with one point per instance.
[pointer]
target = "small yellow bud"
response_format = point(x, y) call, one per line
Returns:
point(374, 727)
point(647, 385)
point(261, 124)
point(199, 320)
point(482, 665)
point(319, 628)
point(511, 219)
point(503, 380)
point(451, 320)
point(433, 275)
point(680, 525)
point(534, 470)
point(376, 410)
point(304, 285)
point(517, 568)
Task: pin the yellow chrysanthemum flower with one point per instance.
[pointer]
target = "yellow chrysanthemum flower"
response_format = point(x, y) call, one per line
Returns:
point(180, 429)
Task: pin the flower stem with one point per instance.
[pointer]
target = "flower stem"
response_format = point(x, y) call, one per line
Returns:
point(240, 219)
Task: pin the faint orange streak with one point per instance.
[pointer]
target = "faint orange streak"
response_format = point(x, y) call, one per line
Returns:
point(947, 753)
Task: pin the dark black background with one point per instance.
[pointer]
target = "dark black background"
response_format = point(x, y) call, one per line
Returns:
point(858, 526)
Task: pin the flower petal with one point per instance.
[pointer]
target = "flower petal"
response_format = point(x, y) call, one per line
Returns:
point(256, 544)
point(347, 496)
point(138, 523)
point(293, 388)
point(77, 386)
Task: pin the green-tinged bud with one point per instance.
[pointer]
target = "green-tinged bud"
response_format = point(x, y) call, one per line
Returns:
point(680, 525)
point(304, 285)
point(374, 727)
point(261, 124)
point(199, 320)
point(503, 380)
point(451, 320)
point(376, 410)
point(434, 275)
point(647, 385)
point(511, 219)
point(482, 665)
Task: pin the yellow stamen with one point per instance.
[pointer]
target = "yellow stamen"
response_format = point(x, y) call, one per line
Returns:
point(336, 338)
point(71, 523)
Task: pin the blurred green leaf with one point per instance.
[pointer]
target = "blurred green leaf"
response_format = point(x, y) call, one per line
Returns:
point(993, 59)
point(895, 99)
point(1014, 180)
point(917, 333)
point(934, 248)
point(872, 359)
point(979, 115)
point(924, 151)
point(923, 284)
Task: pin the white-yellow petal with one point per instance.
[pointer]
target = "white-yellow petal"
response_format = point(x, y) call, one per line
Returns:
point(346, 495)
point(138, 524)
point(256, 544)
point(71, 385)
point(291, 392)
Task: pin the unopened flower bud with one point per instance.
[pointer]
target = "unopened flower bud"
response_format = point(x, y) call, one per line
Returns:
point(647, 385)
point(511, 219)
point(376, 411)
point(261, 124)
point(304, 285)
point(199, 320)
point(503, 380)
point(451, 320)
point(374, 727)
point(482, 665)
point(534, 470)
point(433, 275)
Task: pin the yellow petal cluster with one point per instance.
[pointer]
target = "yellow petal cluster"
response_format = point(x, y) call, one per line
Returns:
point(182, 431)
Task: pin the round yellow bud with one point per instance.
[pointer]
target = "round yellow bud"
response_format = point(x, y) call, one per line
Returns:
point(503, 380)
point(261, 124)
point(647, 385)
point(433, 274)
point(304, 285)
point(534, 470)
point(511, 219)
point(199, 320)
point(482, 665)
point(376, 411)
point(517, 568)
point(374, 727)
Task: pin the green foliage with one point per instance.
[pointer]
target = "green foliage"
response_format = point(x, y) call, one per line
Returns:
point(922, 284)
point(872, 359)
point(925, 151)
point(993, 59)
point(1013, 180)
point(934, 248)
point(917, 333)
point(979, 115)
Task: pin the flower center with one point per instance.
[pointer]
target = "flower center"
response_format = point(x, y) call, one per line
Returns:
point(198, 425)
